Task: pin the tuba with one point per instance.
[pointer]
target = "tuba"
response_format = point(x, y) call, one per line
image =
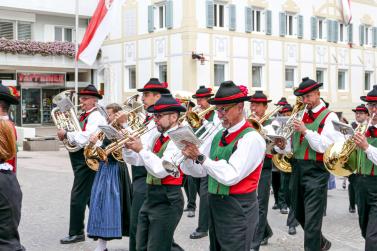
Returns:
point(65, 118)
point(337, 155)
point(282, 162)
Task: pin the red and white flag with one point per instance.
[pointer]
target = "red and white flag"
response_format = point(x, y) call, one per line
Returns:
point(346, 11)
point(99, 27)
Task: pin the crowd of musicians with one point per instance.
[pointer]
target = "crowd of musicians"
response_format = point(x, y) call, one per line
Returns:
point(232, 169)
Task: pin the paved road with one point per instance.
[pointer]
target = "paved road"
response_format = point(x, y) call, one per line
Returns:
point(46, 179)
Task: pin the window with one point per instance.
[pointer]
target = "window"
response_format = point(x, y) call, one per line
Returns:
point(256, 17)
point(289, 24)
point(218, 15)
point(163, 72)
point(289, 77)
point(320, 76)
point(63, 34)
point(132, 77)
point(341, 32)
point(320, 28)
point(15, 30)
point(256, 76)
point(367, 78)
point(368, 35)
point(341, 80)
point(161, 16)
point(219, 74)
point(6, 29)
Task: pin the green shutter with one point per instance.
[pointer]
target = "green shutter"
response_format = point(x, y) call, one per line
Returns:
point(282, 24)
point(335, 31)
point(350, 33)
point(268, 22)
point(248, 20)
point(361, 34)
point(210, 14)
point(314, 28)
point(232, 17)
point(300, 26)
point(329, 30)
point(150, 18)
point(374, 36)
point(169, 14)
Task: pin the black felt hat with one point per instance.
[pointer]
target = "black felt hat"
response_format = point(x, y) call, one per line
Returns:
point(154, 85)
point(167, 103)
point(282, 102)
point(90, 90)
point(229, 93)
point(203, 92)
point(371, 96)
point(259, 97)
point(286, 108)
point(307, 85)
point(6, 95)
point(361, 108)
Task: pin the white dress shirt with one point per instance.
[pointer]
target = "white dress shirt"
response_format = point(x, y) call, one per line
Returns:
point(6, 166)
point(94, 120)
point(249, 154)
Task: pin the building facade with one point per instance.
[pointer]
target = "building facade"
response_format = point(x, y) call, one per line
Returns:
point(37, 53)
point(266, 45)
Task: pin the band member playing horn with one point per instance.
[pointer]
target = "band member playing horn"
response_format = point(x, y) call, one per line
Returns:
point(258, 107)
point(313, 135)
point(233, 160)
point(151, 92)
point(163, 206)
point(111, 194)
point(366, 179)
point(83, 175)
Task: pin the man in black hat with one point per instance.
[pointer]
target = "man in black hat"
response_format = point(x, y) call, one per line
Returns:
point(232, 175)
point(151, 92)
point(163, 206)
point(258, 107)
point(83, 175)
point(313, 135)
point(366, 179)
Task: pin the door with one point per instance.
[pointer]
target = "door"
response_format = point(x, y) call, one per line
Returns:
point(31, 106)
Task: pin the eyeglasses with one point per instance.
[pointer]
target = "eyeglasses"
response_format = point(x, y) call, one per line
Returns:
point(372, 105)
point(224, 109)
point(160, 115)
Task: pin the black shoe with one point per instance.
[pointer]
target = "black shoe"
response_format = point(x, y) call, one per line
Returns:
point(292, 230)
point(352, 210)
point(275, 206)
point(326, 245)
point(198, 235)
point(72, 239)
point(264, 242)
point(284, 211)
point(191, 214)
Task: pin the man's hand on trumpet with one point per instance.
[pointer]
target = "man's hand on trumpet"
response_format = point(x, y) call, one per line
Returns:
point(134, 144)
point(190, 151)
point(361, 141)
point(299, 126)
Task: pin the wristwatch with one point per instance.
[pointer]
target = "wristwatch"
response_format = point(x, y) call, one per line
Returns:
point(200, 159)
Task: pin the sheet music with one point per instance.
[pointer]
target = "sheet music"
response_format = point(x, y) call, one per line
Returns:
point(183, 133)
point(65, 104)
point(343, 128)
point(110, 132)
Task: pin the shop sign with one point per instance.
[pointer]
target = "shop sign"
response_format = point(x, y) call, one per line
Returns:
point(40, 79)
point(8, 82)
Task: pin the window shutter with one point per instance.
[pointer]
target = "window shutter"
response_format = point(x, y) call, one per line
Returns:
point(150, 18)
point(300, 26)
point(374, 36)
point(335, 31)
point(7, 30)
point(350, 33)
point(248, 20)
point(169, 14)
point(268, 22)
point(210, 14)
point(282, 24)
point(361, 35)
point(23, 31)
point(314, 28)
point(232, 17)
point(329, 30)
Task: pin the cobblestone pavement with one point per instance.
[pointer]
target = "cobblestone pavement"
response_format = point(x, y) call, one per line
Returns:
point(46, 179)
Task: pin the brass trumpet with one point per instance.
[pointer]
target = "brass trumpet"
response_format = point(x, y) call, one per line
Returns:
point(258, 124)
point(194, 119)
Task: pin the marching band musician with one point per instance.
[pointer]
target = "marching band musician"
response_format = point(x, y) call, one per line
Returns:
point(366, 179)
point(111, 193)
point(163, 206)
point(83, 175)
point(258, 107)
point(233, 160)
point(313, 135)
point(151, 92)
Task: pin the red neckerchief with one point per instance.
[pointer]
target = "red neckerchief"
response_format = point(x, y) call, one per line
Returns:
point(159, 142)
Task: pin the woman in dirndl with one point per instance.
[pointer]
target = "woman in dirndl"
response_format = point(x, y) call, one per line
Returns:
point(110, 201)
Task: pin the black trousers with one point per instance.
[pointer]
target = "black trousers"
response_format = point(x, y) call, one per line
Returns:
point(189, 185)
point(159, 217)
point(263, 229)
point(276, 187)
point(309, 194)
point(366, 197)
point(80, 193)
point(232, 221)
point(352, 190)
point(285, 180)
point(202, 188)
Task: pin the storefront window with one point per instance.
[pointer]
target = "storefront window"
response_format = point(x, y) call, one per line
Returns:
point(31, 100)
